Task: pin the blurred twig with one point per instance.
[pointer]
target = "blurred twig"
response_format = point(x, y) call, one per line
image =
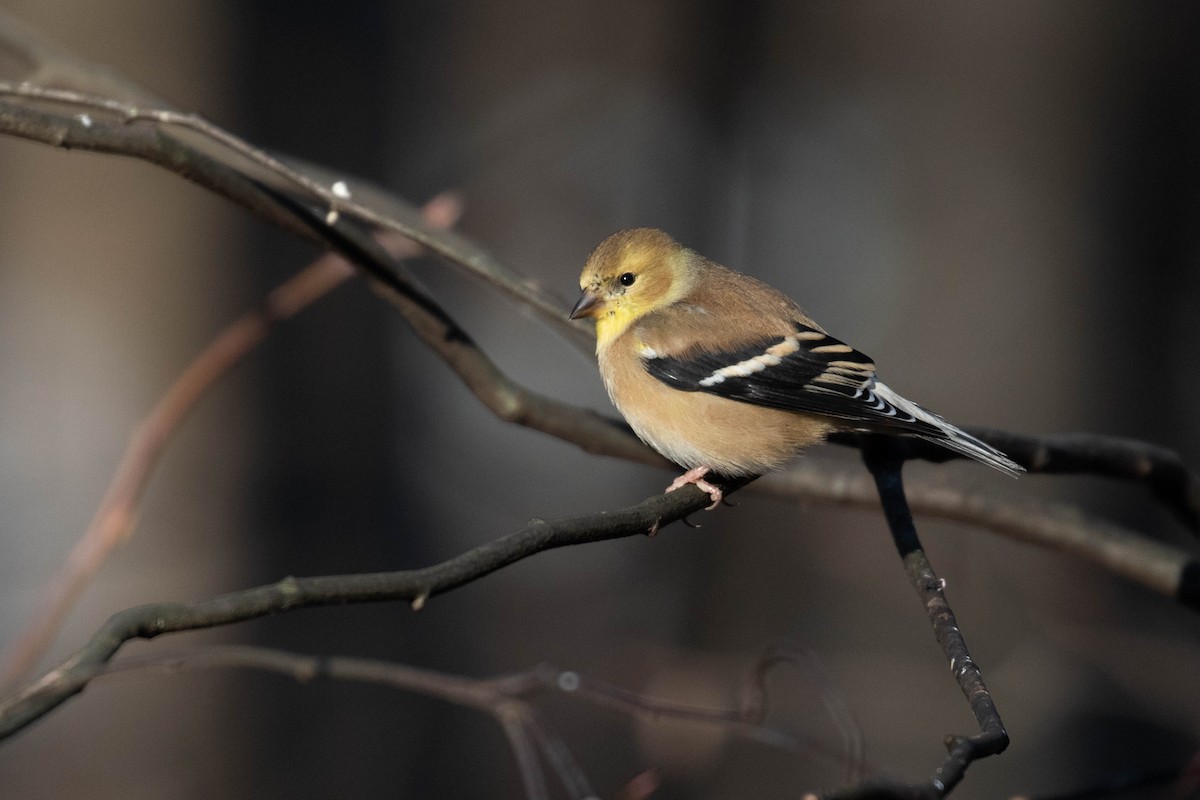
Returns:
point(532, 740)
point(116, 516)
point(33, 58)
point(755, 697)
point(507, 698)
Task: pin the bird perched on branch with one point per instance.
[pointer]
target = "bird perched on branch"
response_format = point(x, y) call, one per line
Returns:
point(723, 374)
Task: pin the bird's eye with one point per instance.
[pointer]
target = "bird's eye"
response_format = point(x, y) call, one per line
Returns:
point(627, 279)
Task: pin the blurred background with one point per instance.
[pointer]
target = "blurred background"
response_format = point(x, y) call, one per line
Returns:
point(998, 202)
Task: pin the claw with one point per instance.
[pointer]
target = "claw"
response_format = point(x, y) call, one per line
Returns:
point(695, 476)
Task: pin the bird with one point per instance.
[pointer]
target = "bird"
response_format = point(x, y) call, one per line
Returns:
point(726, 376)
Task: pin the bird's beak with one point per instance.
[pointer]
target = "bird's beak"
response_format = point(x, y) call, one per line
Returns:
point(588, 305)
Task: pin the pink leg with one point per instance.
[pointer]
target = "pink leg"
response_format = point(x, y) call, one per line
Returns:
point(696, 476)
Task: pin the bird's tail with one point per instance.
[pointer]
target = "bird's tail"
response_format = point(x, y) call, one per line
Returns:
point(937, 430)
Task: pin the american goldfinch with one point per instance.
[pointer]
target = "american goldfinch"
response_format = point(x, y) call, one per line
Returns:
point(723, 374)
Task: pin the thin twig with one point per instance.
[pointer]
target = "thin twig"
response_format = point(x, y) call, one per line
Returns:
point(337, 197)
point(514, 714)
point(524, 752)
point(34, 58)
point(1160, 470)
point(755, 699)
point(1161, 567)
point(503, 396)
point(506, 698)
point(885, 464)
point(556, 753)
point(633, 704)
point(116, 516)
point(416, 586)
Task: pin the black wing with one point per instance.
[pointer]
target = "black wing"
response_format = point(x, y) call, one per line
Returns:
point(811, 371)
point(807, 371)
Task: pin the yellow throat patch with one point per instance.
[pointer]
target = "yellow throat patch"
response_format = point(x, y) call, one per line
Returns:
point(613, 322)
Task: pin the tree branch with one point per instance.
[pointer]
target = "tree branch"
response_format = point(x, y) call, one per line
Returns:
point(114, 520)
point(103, 134)
point(885, 462)
point(417, 586)
point(1162, 471)
point(1163, 568)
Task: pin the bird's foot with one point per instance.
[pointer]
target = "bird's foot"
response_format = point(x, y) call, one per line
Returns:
point(695, 476)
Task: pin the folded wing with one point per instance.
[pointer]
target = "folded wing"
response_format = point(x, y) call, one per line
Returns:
point(810, 371)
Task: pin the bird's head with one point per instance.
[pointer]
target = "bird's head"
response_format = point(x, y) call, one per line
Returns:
point(631, 273)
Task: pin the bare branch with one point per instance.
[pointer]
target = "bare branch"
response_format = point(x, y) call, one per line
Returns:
point(417, 586)
point(885, 462)
point(85, 132)
point(1162, 471)
point(115, 519)
point(1158, 566)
